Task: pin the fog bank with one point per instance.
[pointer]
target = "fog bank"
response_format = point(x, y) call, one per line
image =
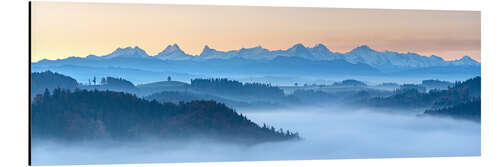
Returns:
point(328, 133)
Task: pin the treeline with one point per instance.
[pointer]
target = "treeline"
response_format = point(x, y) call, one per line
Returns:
point(460, 92)
point(350, 82)
point(85, 115)
point(436, 84)
point(113, 84)
point(233, 87)
point(461, 100)
point(470, 110)
point(52, 80)
point(116, 82)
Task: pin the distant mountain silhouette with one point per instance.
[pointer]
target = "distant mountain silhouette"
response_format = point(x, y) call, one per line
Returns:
point(152, 69)
point(136, 65)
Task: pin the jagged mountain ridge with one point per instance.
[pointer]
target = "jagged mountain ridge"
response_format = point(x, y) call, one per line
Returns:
point(361, 54)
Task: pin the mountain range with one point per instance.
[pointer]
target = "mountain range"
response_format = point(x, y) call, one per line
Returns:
point(361, 54)
point(297, 61)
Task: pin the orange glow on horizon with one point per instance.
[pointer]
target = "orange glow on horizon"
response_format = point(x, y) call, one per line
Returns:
point(61, 29)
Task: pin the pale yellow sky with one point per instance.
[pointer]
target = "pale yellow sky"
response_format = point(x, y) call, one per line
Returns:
point(62, 29)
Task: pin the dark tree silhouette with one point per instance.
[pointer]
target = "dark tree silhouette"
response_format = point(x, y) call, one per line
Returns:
point(84, 115)
point(350, 82)
point(460, 92)
point(232, 87)
point(103, 81)
point(470, 110)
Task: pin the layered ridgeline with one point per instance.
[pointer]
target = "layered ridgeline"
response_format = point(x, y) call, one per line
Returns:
point(51, 80)
point(418, 96)
point(436, 96)
point(88, 115)
point(297, 61)
point(230, 92)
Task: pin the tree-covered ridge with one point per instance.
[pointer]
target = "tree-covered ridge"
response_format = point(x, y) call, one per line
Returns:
point(82, 115)
point(471, 86)
point(350, 82)
point(111, 83)
point(50, 80)
point(436, 84)
point(470, 110)
point(116, 82)
point(460, 92)
point(233, 87)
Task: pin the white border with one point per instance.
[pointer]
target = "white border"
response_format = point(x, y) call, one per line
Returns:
point(14, 84)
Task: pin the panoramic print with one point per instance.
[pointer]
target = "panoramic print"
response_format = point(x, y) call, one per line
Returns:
point(151, 83)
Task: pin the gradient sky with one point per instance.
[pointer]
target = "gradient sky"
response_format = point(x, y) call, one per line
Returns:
point(62, 29)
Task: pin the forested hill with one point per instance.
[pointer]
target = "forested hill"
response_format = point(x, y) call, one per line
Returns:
point(459, 92)
point(244, 92)
point(113, 84)
point(470, 110)
point(232, 87)
point(462, 100)
point(50, 80)
point(85, 115)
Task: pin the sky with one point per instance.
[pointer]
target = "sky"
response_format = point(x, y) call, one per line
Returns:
point(64, 29)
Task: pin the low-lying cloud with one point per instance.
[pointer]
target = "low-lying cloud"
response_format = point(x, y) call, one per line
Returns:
point(328, 133)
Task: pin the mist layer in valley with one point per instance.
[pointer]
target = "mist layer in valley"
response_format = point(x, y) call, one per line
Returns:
point(329, 132)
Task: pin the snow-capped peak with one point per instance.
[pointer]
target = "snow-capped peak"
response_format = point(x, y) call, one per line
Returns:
point(173, 52)
point(361, 54)
point(436, 57)
point(172, 48)
point(299, 50)
point(92, 57)
point(297, 46)
point(466, 60)
point(206, 47)
point(212, 53)
point(362, 49)
point(127, 52)
point(321, 48)
point(206, 50)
